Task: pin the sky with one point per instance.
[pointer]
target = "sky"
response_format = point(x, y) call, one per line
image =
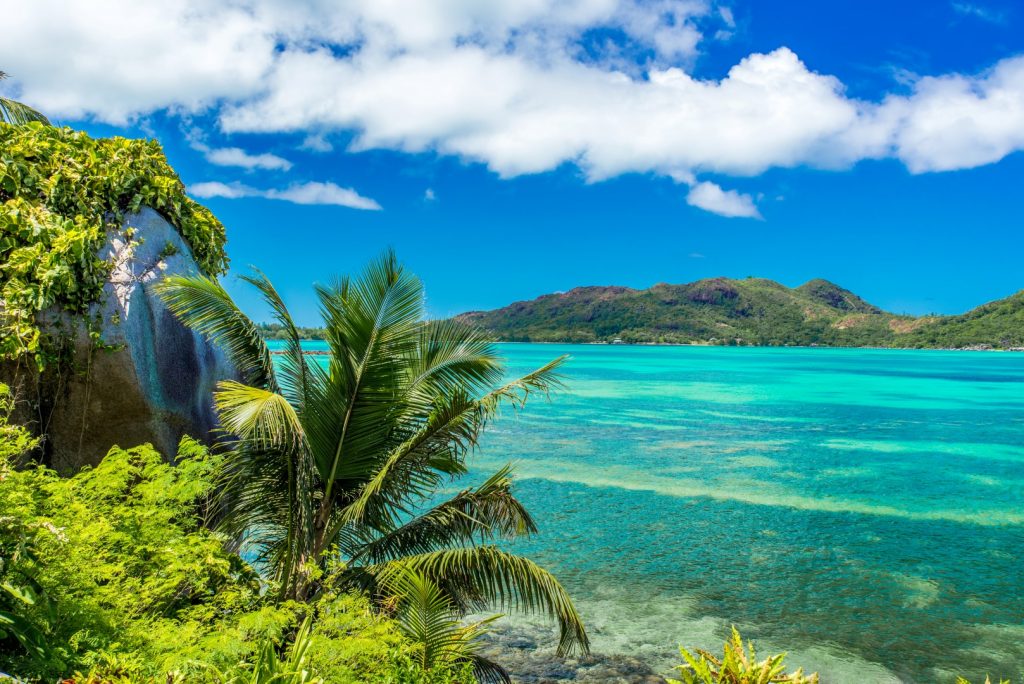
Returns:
point(511, 148)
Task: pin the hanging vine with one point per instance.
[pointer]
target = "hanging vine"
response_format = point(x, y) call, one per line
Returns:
point(61, 193)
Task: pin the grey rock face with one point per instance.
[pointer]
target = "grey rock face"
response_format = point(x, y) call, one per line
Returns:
point(152, 379)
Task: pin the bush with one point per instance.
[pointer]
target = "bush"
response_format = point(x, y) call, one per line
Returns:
point(112, 573)
point(61, 191)
point(738, 665)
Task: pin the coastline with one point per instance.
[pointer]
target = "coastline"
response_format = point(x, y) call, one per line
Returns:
point(977, 348)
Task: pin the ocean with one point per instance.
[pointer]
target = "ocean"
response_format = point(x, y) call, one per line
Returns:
point(862, 510)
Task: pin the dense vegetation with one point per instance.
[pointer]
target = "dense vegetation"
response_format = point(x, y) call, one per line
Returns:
point(351, 460)
point(752, 311)
point(113, 573)
point(62, 194)
point(276, 331)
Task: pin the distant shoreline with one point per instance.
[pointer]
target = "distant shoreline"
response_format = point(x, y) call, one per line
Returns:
point(323, 352)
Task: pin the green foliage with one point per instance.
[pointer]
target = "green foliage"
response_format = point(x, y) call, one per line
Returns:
point(753, 311)
point(61, 193)
point(350, 461)
point(431, 619)
point(998, 324)
point(276, 331)
point(113, 573)
point(738, 665)
point(292, 667)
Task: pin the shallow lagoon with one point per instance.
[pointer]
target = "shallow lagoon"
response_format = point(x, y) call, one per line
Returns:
point(861, 509)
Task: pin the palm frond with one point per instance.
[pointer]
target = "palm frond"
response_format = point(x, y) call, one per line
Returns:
point(485, 575)
point(515, 393)
point(372, 324)
point(486, 513)
point(202, 304)
point(293, 370)
point(449, 430)
point(257, 415)
point(429, 619)
point(451, 356)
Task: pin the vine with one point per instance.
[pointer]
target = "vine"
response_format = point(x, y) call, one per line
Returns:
point(61, 193)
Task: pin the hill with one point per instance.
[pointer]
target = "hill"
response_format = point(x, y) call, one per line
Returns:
point(999, 324)
point(751, 311)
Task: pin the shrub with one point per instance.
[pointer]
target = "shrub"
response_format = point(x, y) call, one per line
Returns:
point(738, 665)
point(112, 575)
point(61, 191)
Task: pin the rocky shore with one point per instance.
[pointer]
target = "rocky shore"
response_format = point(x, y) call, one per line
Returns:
point(530, 660)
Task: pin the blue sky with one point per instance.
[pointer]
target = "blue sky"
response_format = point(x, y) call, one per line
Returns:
point(510, 151)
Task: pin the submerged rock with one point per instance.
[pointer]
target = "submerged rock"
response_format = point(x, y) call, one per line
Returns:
point(134, 374)
point(515, 647)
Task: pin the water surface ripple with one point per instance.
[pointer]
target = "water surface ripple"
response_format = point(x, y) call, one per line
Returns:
point(860, 509)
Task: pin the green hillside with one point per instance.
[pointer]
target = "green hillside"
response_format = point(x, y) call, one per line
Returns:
point(999, 324)
point(752, 311)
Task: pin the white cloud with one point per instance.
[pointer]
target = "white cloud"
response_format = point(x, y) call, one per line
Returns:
point(317, 143)
point(711, 197)
point(429, 195)
point(236, 156)
point(218, 189)
point(299, 193)
point(506, 83)
point(323, 193)
point(958, 122)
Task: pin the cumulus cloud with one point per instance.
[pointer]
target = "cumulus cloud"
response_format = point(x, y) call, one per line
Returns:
point(711, 197)
point(522, 86)
point(298, 193)
point(317, 143)
point(218, 189)
point(236, 156)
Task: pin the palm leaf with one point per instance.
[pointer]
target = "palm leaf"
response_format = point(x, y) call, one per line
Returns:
point(486, 575)
point(487, 513)
point(428, 618)
point(293, 370)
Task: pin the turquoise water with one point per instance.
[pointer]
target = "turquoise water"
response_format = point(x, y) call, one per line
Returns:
point(860, 509)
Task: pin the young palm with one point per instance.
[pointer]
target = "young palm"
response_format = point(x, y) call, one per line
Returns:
point(350, 459)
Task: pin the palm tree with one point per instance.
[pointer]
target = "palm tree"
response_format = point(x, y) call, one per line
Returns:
point(14, 112)
point(348, 461)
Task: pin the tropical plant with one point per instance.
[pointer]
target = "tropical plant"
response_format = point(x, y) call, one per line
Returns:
point(291, 668)
point(14, 112)
point(430, 619)
point(738, 665)
point(63, 194)
point(961, 680)
point(347, 459)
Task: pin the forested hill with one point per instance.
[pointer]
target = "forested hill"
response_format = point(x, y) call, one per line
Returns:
point(752, 311)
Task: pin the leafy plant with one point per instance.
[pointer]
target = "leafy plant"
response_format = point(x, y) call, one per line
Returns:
point(738, 665)
point(432, 621)
point(961, 680)
point(268, 668)
point(347, 460)
point(61, 194)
